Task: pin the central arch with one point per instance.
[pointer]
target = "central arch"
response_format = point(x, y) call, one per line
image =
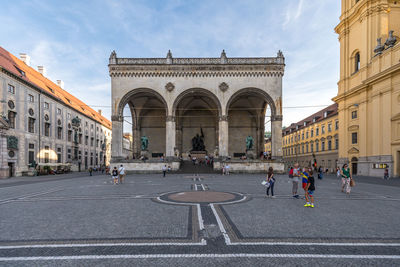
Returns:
point(196, 111)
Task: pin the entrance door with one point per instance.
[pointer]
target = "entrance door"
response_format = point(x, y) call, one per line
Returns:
point(354, 166)
point(11, 169)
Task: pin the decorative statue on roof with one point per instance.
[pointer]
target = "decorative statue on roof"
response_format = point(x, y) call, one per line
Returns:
point(249, 143)
point(145, 142)
point(113, 55)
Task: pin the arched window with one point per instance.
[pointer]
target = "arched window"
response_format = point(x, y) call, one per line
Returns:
point(357, 62)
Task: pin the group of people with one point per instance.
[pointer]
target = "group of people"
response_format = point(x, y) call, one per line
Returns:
point(118, 175)
point(306, 176)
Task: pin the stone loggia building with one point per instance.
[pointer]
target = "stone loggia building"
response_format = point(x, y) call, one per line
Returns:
point(173, 99)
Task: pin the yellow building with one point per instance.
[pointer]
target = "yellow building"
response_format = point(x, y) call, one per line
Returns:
point(267, 145)
point(369, 86)
point(313, 141)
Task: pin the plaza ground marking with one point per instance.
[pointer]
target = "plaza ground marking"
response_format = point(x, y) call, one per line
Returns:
point(220, 225)
point(200, 217)
point(239, 255)
point(202, 185)
point(347, 244)
point(3, 201)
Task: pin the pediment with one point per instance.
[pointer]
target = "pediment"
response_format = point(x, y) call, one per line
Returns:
point(353, 128)
point(353, 150)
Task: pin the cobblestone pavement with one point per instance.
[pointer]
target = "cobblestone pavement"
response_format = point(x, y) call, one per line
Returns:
point(79, 220)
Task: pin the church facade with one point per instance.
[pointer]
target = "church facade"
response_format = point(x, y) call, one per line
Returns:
point(179, 106)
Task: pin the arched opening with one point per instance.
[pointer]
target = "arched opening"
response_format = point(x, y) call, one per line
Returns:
point(354, 164)
point(250, 111)
point(144, 115)
point(196, 114)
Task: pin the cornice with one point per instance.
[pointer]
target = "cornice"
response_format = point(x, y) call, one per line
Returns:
point(199, 61)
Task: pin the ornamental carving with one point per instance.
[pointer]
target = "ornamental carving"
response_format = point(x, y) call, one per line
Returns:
point(12, 142)
point(30, 111)
point(11, 104)
point(46, 117)
point(223, 86)
point(169, 86)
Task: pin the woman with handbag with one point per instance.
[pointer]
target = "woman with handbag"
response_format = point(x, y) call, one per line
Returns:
point(271, 181)
point(346, 178)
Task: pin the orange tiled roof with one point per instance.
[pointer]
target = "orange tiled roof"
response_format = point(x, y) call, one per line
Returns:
point(14, 65)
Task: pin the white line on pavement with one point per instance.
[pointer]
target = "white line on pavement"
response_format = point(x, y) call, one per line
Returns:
point(348, 244)
point(221, 226)
point(240, 255)
point(200, 217)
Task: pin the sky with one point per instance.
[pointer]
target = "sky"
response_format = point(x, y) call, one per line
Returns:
point(73, 40)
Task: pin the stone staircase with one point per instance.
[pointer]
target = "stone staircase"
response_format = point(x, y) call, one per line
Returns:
point(188, 167)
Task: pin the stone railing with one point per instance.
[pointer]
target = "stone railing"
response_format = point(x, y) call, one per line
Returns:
point(198, 61)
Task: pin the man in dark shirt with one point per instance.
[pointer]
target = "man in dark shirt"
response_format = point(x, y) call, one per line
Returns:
point(310, 188)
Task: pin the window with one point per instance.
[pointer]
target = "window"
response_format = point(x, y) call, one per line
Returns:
point(336, 125)
point(80, 138)
point(312, 132)
point(329, 127)
point(69, 115)
point(31, 98)
point(11, 89)
point(91, 126)
point(306, 148)
point(322, 129)
point(306, 134)
point(79, 155)
point(302, 136)
point(69, 135)
point(11, 119)
point(31, 157)
point(86, 140)
point(59, 132)
point(69, 153)
point(58, 111)
point(302, 149)
point(59, 155)
point(97, 142)
point(91, 141)
point(31, 125)
point(47, 129)
point(329, 145)
point(46, 105)
point(91, 158)
point(354, 114)
point(323, 146)
point(336, 143)
point(354, 138)
point(316, 146)
point(316, 131)
point(312, 148)
point(46, 154)
point(356, 62)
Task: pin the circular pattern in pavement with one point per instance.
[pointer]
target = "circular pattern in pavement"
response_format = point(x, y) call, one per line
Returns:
point(201, 197)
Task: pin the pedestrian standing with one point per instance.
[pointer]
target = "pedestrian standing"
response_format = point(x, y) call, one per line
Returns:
point(121, 172)
point(386, 174)
point(295, 180)
point(338, 172)
point(223, 169)
point(164, 170)
point(271, 181)
point(320, 172)
point(114, 174)
point(346, 177)
point(90, 171)
point(310, 188)
point(227, 167)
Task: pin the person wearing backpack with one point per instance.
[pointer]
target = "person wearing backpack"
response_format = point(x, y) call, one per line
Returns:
point(114, 174)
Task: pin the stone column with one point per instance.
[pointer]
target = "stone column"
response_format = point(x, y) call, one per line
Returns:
point(223, 135)
point(170, 132)
point(116, 141)
point(276, 142)
point(136, 141)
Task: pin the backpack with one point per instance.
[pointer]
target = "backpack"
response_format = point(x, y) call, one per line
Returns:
point(291, 173)
point(114, 172)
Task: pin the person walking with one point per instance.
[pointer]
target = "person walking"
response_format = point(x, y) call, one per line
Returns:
point(310, 188)
point(164, 170)
point(295, 180)
point(114, 175)
point(320, 173)
point(346, 177)
point(91, 171)
point(386, 174)
point(271, 181)
point(338, 172)
point(121, 172)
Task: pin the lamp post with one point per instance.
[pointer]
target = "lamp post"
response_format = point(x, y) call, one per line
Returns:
point(76, 123)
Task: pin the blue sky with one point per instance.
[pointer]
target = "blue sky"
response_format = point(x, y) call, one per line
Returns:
point(73, 40)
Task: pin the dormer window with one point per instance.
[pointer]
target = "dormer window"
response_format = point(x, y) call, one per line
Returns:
point(305, 123)
point(325, 114)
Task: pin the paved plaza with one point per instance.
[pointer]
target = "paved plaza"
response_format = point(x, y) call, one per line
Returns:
point(195, 220)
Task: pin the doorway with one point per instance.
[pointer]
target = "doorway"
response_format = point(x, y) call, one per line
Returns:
point(354, 166)
point(11, 166)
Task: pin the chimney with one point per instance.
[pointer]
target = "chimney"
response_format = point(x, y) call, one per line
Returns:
point(60, 83)
point(41, 70)
point(25, 58)
point(99, 112)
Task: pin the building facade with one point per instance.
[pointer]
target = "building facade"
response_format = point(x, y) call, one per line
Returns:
point(175, 101)
point(313, 141)
point(369, 86)
point(46, 123)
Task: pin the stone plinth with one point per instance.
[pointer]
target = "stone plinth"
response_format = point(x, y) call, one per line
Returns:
point(251, 154)
point(252, 166)
point(145, 166)
point(198, 154)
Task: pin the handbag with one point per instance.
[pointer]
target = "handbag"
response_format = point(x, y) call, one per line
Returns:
point(352, 183)
point(265, 183)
